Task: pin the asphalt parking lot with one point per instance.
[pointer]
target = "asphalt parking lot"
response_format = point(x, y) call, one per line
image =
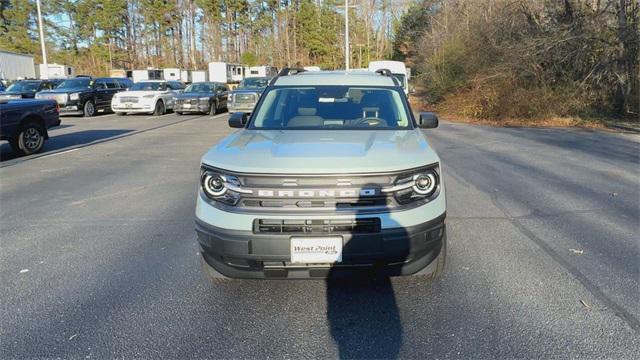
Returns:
point(98, 254)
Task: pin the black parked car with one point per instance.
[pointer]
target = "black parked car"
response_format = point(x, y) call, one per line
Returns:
point(202, 97)
point(84, 95)
point(24, 123)
point(28, 88)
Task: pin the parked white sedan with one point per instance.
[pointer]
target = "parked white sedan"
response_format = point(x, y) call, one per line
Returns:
point(151, 97)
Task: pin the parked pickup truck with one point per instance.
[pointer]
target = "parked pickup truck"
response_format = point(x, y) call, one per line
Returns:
point(84, 95)
point(245, 97)
point(330, 175)
point(24, 123)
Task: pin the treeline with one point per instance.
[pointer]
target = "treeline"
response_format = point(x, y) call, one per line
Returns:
point(504, 59)
point(93, 34)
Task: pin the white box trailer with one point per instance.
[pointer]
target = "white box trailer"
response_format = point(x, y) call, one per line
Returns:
point(140, 75)
point(56, 71)
point(261, 71)
point(225, 72)
point(171, 74)
point(14, 66)
point(185, 76)
point(198, 76)
point(149, 74)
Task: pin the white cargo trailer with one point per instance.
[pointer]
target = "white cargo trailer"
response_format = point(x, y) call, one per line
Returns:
point(171, 74)
point(15, 66)
point(198, 76)
point(140, 75)
point(225, 72)
point(185, 76)
point(56, 71)
point(262, 71)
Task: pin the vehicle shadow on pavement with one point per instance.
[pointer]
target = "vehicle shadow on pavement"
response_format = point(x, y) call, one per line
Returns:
point(363, 317)
point(362, 311)
point(58, 142)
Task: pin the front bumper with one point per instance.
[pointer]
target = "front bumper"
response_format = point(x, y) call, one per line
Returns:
point(133, 108)
point(200, 108)
point(247, 108)
point(395, 251)
point(71, 108)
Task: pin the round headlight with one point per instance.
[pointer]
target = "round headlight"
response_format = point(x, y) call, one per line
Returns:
point(213, 185)
point(425, 184)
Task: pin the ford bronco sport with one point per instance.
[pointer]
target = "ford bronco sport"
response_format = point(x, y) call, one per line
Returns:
point(330, 175)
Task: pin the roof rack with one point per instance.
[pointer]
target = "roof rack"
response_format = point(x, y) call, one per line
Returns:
point(384, 72)
point(290, 71)
point(286, 72)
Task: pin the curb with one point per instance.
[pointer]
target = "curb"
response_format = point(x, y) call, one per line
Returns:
point(624, 127)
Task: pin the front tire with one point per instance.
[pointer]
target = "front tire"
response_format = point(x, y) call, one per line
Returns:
point(179, 112)
point(159, 109)
point(89, 109)
point(213, 109)
point(121, 113)
point(30, 139)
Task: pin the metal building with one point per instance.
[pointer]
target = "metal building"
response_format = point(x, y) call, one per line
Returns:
point(16, 66)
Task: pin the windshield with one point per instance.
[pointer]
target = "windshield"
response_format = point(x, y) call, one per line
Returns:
point(252, 83)
point(81, 83)
point(332, 107)
point(149, 86)
point(24, 86)
point(400, 78)
point(200, 88)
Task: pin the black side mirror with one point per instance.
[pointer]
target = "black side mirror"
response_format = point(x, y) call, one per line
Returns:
point(238, 119)
point(428, 120)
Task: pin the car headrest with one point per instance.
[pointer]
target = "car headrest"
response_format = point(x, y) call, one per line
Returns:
point(303, 111)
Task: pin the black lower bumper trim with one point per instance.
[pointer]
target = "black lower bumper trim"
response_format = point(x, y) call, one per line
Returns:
point(397, 251)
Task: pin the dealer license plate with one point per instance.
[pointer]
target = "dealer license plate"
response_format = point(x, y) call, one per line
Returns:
point(316, 250)
point(186, 106)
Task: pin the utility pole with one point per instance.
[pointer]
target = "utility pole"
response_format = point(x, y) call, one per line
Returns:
point(44, 75)
point(346, 35)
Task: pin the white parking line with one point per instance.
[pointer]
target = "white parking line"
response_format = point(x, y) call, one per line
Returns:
point(157, 117)
point(219, 115)
point(106, 116)
point(60, 153)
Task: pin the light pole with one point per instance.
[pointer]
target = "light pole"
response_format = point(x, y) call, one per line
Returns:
point(346, 34)
point(347, 53)
point(44, 75)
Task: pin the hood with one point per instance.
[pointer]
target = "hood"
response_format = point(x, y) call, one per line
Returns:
point(321, 151)
point(248, 90)
point(65, 91)
point(20, 93)
point(192, 95)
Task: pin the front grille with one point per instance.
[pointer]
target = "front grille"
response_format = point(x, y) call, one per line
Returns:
point(313, 193)
point(326, 193)
point(187, 101)
point(351, 226)
point(129, 99)
point(245, 98)
point(61, 99)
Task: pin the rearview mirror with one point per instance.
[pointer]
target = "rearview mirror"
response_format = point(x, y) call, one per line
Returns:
point(238, 119)
point(428, 120)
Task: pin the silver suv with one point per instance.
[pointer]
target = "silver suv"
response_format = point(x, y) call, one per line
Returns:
point(331, 175)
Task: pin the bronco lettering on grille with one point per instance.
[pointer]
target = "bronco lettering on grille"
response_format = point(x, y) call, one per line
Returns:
point(318, 193)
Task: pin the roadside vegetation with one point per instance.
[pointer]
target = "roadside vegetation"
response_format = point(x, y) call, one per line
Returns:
point(564, 62)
